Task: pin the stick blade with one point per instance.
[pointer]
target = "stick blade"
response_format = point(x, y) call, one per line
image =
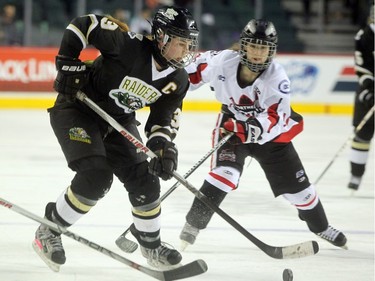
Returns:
point(125, 244)
point(194, 268)
point(301, 250)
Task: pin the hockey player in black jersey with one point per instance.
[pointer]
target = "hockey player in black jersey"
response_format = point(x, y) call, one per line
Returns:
point(131, 72)
point(364, 101)
point(254, 91)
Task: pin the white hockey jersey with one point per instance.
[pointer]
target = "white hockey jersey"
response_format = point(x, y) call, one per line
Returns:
point(267, 99)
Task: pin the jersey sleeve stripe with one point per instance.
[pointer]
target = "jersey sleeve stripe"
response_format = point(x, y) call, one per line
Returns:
point(196, 77)
point(94, 23)
point(79, 34)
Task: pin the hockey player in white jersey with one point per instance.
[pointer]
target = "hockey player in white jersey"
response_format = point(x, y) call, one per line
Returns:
point(254, 91)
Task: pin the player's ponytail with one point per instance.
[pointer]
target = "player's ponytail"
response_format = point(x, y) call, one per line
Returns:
point(123, 26)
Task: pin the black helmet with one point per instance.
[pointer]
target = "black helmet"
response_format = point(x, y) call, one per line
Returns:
point(170, 22)
point(258, 32)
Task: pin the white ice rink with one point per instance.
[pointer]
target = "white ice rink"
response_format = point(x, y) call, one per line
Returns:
point(33, 172)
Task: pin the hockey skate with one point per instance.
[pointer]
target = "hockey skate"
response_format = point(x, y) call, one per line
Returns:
point(188, 235)
point(162, 256)
point(49, 247)
point(334, 236)
point(354, 183)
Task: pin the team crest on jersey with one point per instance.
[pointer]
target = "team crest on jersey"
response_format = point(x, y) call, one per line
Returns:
point(79, 134)
point(246, 106)
point(134, 94)
point(124, 99)
point(284, 86)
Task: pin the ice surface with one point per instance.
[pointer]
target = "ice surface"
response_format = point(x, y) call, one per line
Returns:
point(33, 172)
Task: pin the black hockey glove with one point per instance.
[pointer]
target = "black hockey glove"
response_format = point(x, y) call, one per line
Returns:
point(72, 74)
point(249, 131)
point(366, 92)
point(166, 163)
point(367, 97)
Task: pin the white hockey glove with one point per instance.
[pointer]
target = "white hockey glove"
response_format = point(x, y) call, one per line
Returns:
point(249, 131)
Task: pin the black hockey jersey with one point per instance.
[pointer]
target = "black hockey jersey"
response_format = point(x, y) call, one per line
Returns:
point(124, 77)
point(364, 57)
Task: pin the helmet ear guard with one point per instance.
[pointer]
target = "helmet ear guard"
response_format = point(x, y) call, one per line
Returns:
point(258, 32)
point(161, 36)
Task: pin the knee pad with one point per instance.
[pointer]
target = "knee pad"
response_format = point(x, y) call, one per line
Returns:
point(306, 199)
point(92, 184)
point(224, 178)
point(93, 178)
point(143, 187)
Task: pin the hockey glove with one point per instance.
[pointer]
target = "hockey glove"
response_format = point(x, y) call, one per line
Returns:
point(366, 97)
point(72, 74)
point(249, 131)
point(166, 163)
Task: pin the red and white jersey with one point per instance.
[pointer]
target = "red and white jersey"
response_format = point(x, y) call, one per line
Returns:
point(267, 99)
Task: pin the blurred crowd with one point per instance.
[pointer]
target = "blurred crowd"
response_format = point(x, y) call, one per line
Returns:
point(219, 23)
point(45, 20)
point(11, 28)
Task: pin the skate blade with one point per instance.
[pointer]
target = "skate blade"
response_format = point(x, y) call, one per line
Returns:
point(184, 245)
point(52, 265)
point(345, 247)
point(161, 266)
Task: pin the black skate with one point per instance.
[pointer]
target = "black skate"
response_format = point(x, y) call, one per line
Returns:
point(334, 236)
point(162, 256)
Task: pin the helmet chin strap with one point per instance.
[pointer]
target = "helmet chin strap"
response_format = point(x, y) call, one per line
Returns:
point(159, 57)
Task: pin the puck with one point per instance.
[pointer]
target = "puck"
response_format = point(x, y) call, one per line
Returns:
point(287, 274)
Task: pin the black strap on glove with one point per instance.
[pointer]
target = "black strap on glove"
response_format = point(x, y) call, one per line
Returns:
point(166, 163)
point(72, 75)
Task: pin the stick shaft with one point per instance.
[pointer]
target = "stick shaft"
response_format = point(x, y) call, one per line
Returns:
point(272, 251)
point(192, 169)
point(80, 239)
point(351, 137)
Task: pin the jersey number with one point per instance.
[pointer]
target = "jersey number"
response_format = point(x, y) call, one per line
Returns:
point(105, 23)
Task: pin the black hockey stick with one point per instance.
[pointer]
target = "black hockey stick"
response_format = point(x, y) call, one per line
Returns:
point(350, 138)
point(129, 246)
point(293, 251)
point(191, 269)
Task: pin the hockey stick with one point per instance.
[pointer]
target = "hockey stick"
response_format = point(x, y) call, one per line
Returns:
point(293, 251)
point(191, 269)
point(351, 137)
point(129, 246)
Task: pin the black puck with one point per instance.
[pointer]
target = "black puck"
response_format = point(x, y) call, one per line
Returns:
point(287, 274)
